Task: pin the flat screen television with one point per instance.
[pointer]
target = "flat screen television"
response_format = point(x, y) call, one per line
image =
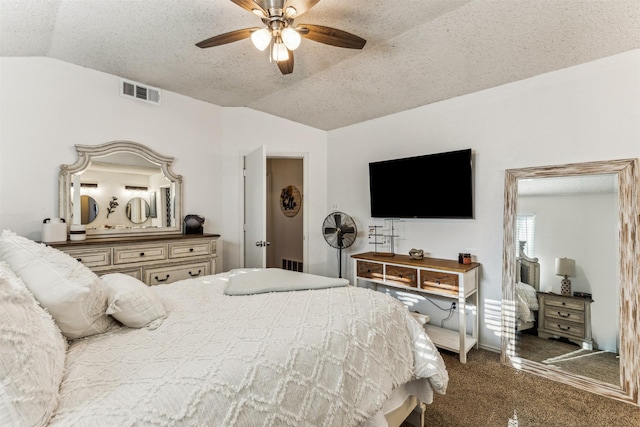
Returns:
point(430, 186)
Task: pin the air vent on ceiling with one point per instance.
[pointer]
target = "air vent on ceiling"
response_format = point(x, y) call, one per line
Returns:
point(138, 91)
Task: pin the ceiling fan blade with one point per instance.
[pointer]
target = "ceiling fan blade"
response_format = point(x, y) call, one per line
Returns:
point(346, 230)
point(301, 6)
point(331, 36)
point(286, 67)
point(330, 230)
point(225, 38)
point(249, 5)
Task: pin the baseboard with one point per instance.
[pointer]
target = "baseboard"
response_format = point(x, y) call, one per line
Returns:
point(490, 348)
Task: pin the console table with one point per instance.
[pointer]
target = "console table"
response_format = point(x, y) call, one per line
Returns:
point(153, 260)
point(439, 277)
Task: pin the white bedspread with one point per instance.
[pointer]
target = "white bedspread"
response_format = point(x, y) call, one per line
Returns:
point(327, 357)
point(248, 281)
point(526, 302)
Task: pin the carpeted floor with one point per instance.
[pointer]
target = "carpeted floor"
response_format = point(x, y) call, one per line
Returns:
point(484, 392)
point(596, 364)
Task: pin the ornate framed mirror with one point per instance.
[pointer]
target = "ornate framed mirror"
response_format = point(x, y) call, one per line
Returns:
point(588, 213)
point(132, 189)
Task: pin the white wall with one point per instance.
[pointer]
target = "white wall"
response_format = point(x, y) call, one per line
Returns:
point(47, 106)
point(584, 113)
point(245, 130)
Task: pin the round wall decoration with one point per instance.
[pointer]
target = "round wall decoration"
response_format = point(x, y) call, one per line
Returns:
point(290, 201)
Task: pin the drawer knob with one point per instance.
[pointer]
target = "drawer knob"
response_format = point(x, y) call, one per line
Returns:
point(141, 253)
point(195, 275)
point(564, 315)
point(162, 280)
point(564, 329)
point(190, 249)
point(79, 259)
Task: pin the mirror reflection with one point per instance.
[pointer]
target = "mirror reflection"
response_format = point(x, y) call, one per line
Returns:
point(567, 308)
point(123, 176)
point(138, 210)
point(88, 209)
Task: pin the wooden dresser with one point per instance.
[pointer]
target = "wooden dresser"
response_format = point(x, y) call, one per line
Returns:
point(565, 316)
point(154, 260)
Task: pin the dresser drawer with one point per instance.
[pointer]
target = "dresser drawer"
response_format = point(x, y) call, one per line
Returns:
point(162, 275)
point(133, 272)
point(187, 250)
point(139, 253)
point(402, 275)
point(439, 281)
point(563, 314)
point(370, 270)
point(566, 329)
point(564, 303)
point(93, 258)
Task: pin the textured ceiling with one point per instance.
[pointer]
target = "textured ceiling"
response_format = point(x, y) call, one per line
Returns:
point(417, 51)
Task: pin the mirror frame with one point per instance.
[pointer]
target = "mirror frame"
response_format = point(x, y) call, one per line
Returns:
point(85, 155)
point(629, 259)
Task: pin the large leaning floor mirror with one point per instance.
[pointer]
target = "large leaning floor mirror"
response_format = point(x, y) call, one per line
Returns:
point(571, 299)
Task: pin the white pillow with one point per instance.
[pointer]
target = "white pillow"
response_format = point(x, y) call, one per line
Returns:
point(32, 353)
point(131, 301)
point(72, 293)
point(528, 294)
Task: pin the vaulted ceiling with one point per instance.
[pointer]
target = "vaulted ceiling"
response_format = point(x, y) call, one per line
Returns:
point(417, 52)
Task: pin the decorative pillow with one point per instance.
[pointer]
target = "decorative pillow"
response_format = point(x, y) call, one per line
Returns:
point(72, 293)
point(32, 353)
point(131, 301)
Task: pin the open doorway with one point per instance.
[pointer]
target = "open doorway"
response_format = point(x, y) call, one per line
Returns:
point(285, 213)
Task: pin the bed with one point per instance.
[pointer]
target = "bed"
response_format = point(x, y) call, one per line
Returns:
point(527, 286)
point(298, 350)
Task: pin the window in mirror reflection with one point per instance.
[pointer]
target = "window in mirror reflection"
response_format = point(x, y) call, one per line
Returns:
point(525, 232)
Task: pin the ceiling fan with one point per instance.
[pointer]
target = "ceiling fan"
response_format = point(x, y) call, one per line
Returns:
point(280, 33)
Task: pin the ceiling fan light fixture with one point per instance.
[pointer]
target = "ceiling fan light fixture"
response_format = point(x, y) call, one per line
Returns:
point(259, 13)
point(261, 38)
point(290, 12)
point(291, 38)
point(279, 51)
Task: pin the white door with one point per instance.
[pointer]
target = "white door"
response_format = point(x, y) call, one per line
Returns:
point(255, 208)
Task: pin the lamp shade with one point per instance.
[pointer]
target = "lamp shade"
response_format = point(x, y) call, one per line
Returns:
point(261, 38)
point(565, 267)
point(291, 38)
point(279, 52)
